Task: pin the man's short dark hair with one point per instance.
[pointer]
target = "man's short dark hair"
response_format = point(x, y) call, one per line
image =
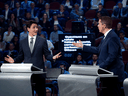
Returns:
point(100, 4)
point(30, 23)
point(107, 21)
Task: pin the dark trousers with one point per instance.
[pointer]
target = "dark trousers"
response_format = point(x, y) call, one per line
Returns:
point(111, 87)
point(38, 82)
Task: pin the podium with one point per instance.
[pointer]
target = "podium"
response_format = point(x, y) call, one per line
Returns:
point(82, 80)
point(16, 79)
point(125, 85)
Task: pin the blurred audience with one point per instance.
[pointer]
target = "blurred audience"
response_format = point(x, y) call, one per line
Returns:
point(79, 60)
point(8, 35)
point(94, 60)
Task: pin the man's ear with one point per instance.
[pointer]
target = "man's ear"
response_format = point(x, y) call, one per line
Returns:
point(28, 29)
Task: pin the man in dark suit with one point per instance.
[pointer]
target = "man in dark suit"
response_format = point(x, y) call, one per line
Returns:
point(33, 10)
point(32, 50)
point(12, 4)
point(19, 12)
point(119, 12)
point(110, 55)
point(7, 12)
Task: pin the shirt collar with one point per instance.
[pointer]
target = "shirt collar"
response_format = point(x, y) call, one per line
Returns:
point(107, 33)
point(34, 37)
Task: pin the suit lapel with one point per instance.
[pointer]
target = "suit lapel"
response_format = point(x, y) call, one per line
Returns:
point(27, 45)
point(36, 43)
point(103, 42)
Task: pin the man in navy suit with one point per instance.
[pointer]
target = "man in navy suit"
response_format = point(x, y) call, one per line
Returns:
point(119, 12)
point(19, 12)
point(32, 49)
point(7, 12)
point(33, 10)
point(110, 55)
point(12, 4)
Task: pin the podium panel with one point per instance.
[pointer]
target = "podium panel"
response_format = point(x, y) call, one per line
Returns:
point(77, 85)
point(83, 80)
point(16, 79)
point(125, 84)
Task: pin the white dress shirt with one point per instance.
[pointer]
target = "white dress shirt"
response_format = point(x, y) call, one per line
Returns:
point(107, 33)
point(6, 14)
point(34, 40)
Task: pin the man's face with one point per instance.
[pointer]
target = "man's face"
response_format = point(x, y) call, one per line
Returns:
point(55, 28)
point(9, 28)
point(47, 6)
point(120, 5)
point(94, 57)
point(17, 5)
point(6, 6)
point(11, 47)
point(32, 5)
point(33, 29)
point(76, 7)
point(100, 7)
point(121, 35)
point(79, 58)
point(28, 15)
point(101, 26)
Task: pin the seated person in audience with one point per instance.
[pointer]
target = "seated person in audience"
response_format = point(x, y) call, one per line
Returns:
point(54, 37)
point(11, 52)
point(63, 67)
point(79, 60)
point(45, 23)
point(19, 12)
point(34, 11)
point(63, 15)
point(95, 3)
point(119, 12)
point(123, 41)
point(118, 28)
point(94, 60)
point(76, 12)
point(24, 34)
point(86, 28)
point(47, 10)
point(15, 41)
point(47, 63)
point(7, 12)
point(27, 19)
point(103, 11)
point(2, 43)
point(49, 43)
point(40, 31)
point(40, 4)
point(26, 4)
point(8, 35)
point(56, 21)
point(68, 4)
point(3, 24)
point(83, 4)
point(12, 4)
point(13, 21)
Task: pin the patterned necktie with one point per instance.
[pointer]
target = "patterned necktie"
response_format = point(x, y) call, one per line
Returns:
point(31, 44)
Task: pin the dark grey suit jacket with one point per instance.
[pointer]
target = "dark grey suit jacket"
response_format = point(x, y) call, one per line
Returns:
point(110, 55)
point(36, 57)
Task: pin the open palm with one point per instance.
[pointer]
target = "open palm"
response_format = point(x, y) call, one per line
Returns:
point(9, 59)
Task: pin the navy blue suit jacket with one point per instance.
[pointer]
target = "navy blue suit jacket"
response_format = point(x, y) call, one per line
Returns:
point(21, 12)
point(9, 13)
point(116, 11)
point(85, 3)
point(36, 11)
point(36, 57)
point(110, 55)
point(44, 11)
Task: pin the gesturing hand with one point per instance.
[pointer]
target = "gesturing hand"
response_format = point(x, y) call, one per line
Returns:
point(9, 59)
point(57, 56)
point(80, 44)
